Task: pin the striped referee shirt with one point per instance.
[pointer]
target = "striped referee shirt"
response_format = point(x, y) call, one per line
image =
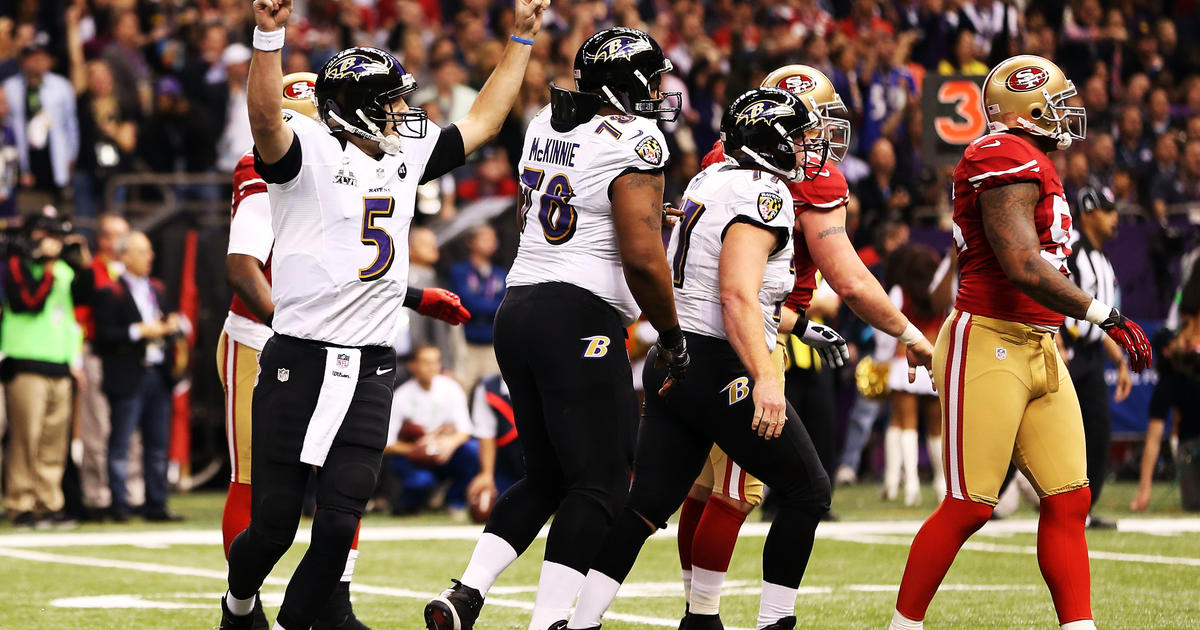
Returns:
point(1093, 273)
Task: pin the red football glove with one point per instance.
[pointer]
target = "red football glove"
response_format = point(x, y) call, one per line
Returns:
point(444, 305)
point(1129, 336)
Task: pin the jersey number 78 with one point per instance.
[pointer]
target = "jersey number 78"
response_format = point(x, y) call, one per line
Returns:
point(557, 216)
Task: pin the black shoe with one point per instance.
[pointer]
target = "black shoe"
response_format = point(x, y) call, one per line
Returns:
point(338, 613)
point(118, 515)
point(163, 516)
point(787, 623)
point(692, 621)
point(56, 520)
point(256, 620)
point(24, 520)
point(562, 625)
point(1098, 522)
point(456, 608)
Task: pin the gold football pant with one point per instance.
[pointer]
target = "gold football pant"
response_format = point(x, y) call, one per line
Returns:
point(237, 365)
point(1006, 397)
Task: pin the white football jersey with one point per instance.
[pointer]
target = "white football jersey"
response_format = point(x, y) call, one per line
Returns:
point(715, 199)
point(340, 263)
point(567, 231)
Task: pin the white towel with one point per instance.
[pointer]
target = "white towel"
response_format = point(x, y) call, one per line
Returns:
point(337, 391)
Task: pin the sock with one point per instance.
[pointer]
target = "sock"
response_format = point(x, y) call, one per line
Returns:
point(933, 551)
point(909, 455)
point(1063, 555)
point(239, 607)
point(557, 588)
point(705, 598)
point(893, 456)
point(597, 594)
point(933, 445)
point(689, 519)
point(1082, 624)
point(491, 557)
point(776, 603)
point(236, 515)
point(900, 622)
point(278, 626)
point(351, 561)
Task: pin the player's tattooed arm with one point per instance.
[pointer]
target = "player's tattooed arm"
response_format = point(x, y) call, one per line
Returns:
point(1007, 213)
point(637, 216)
point(830, 231)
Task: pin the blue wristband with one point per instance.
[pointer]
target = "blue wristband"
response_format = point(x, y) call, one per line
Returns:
point(521, 40)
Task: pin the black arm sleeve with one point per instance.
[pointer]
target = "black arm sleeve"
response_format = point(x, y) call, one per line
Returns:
point(448, 154)
point(283, 171)
point(412, 299)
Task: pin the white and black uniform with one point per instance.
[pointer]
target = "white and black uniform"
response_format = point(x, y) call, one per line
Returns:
point(324, 391)
point(714, 403)
point(560, 332)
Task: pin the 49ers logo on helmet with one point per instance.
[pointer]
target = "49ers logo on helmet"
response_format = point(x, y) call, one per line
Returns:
point(299, 90)
point(1027, 78)
point(798, 83)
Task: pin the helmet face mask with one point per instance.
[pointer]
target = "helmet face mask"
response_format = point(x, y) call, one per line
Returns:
point(624, 67)
point(359, 88)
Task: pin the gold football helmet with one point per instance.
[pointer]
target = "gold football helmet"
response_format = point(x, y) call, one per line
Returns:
point(300, 93)
point(1036, 91)
point(816, 92)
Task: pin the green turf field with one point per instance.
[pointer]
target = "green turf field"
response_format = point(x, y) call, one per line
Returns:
point(140, 577)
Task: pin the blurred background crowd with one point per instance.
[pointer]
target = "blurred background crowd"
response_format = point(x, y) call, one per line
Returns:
point(132, 113)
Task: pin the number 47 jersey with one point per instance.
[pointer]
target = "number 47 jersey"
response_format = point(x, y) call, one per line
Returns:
point(565, 213)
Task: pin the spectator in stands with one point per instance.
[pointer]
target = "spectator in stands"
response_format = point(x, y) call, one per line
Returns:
point(42, 106)
point(10, 172)
point(449, 89)
point(422, 256)
point(177, 137)
point(431, 428)
point(883, 196)
point(1097, 102)
point(963, 59)
point(204, 76)
point(480, 284)
point(1133, 150)
point(107, 138)
point(890, 89)
point(501, 461)
point(1165, 186)
point(41, 343)
point(135, 336)
point(492, 177)
point(235, 139)
point(1158, 113)
point(1102, 156)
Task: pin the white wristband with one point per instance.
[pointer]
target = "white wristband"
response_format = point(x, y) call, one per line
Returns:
point(1098, 312)
point(268, 41)
point(911, 335)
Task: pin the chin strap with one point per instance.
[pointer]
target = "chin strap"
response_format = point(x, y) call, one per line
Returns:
point(388, 144)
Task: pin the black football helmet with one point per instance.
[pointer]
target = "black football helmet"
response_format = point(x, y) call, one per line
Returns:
point(766, 128)
point(1096, 196)
point(622, 66)
point(355, 90)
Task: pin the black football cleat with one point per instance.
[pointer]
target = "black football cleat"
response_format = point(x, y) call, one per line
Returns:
point(256, 620)
point(339, 613)
point(456, 608)
point(787, 623)
point(562, 625)
point(692, 621)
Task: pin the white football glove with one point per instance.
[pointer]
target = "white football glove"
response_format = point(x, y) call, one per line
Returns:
point(828, 344)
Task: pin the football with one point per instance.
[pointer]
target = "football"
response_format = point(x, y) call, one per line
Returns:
point(480, 505)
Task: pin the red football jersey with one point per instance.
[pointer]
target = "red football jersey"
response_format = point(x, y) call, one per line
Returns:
point(825, 192)
point(995, 160)
point(246, 182)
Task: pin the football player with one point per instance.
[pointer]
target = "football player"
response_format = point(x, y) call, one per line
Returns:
point(247, 328)
point(1005, 393)
point(590, 258)
point(731, 261)
point(725, 493)
point(342, 193)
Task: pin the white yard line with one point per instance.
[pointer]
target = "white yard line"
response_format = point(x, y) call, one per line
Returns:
point(156, 538)
point(1030, 549)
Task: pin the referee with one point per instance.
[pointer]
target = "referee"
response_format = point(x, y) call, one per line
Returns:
point(1087, 345)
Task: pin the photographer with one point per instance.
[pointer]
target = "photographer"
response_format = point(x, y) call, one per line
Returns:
point(135, 338)
point(45, 277)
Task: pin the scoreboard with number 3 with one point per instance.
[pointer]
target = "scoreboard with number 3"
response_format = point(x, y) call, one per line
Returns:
point(953, 116)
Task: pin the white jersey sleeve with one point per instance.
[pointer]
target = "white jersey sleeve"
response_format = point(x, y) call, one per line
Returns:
point(717, 198)
point(566, 219)
point(250, 228)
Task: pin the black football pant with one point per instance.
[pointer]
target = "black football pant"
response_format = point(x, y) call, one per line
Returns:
point(811, 392)
point(290, 377)
point(1087, 373)
point(676, 434)
point(562, 353)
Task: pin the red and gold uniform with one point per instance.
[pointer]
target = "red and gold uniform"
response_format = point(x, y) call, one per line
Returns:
point(1006, 394)
point(827, 191)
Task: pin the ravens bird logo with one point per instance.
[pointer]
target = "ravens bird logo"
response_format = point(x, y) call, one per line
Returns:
point(621, 47)
point(763, 111)
point(356, 67)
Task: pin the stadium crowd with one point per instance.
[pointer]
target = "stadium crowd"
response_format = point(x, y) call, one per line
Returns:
point(95, 89)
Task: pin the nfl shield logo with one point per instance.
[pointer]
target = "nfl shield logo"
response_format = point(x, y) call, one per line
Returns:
point(379, 173)
point(283, 374)
point(343, 361)
point(1001, 354)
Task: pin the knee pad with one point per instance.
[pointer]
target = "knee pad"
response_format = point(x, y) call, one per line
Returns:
point(649, 509)
point(275, 515)
point(347, 488)
point(334, 527)
point(815, 496)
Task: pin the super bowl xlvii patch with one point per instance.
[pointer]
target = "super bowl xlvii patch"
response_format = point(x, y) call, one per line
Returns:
point(769, 205)
point(650, 150)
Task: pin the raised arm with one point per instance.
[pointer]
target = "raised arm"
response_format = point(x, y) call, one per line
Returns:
point(272, 138)
point(497, 96)
point(744, 254)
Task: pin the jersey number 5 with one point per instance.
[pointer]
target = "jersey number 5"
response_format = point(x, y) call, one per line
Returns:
point(556, 214)
point(372, 235)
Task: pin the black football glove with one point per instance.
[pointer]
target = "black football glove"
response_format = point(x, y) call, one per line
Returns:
point(1131, 338)
point(830, 346)
point(673, 354)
